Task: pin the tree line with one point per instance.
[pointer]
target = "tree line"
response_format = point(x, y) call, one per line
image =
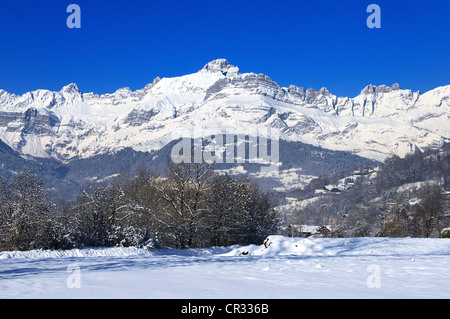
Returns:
point(189, 208)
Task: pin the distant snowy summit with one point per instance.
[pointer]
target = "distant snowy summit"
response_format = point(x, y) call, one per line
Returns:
point(222, 66)
point(68, 124)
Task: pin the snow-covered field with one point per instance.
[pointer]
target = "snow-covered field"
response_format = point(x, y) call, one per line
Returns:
point(279, 268)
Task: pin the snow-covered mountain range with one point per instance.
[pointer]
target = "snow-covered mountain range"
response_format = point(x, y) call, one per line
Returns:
point(69, 125)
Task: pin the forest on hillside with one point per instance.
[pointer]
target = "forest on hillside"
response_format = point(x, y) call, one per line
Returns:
point(403, 197)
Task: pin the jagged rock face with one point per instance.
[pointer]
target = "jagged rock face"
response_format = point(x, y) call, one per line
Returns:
point(69, 124)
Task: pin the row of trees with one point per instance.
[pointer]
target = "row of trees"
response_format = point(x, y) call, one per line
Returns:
point(188, 208)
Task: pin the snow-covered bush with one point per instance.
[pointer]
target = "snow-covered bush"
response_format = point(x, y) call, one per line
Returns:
point(129, 236)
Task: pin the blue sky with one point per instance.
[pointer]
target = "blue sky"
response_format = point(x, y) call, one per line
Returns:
point(306, 43)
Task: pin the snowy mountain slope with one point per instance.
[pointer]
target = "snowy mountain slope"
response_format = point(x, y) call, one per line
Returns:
point(69, 124)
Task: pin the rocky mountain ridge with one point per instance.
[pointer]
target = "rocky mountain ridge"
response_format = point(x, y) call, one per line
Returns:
point(68, 125)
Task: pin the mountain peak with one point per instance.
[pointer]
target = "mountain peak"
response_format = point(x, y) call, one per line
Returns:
point(221, 65)
point(395, 87)
point(70, 88)
point(371, 89)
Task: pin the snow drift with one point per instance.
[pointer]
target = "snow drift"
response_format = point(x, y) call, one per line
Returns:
point(87, 252)
point(284, 246)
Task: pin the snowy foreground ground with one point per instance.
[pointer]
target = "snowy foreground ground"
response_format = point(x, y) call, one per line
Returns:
point(280, 268)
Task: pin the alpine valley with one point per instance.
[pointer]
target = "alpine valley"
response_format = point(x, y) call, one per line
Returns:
point(70, 138)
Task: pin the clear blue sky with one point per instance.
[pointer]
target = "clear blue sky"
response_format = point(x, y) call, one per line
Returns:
point(305, 43)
